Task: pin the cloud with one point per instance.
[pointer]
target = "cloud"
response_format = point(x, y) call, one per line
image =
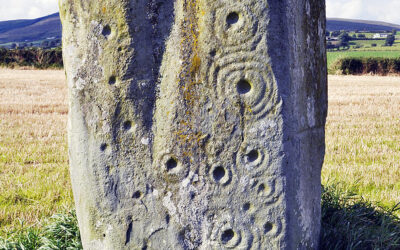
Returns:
point(26, 9)
point(382, 10)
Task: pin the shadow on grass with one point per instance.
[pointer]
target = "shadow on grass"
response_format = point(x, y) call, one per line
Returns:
point(347, 223)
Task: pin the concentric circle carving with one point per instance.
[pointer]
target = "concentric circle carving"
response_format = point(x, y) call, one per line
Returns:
point(262, 96)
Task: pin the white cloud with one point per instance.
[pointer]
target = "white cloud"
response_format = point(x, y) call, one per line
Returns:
point(376, 10)
point(26, 9)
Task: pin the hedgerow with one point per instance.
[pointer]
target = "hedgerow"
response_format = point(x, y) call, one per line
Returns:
point(31, 57)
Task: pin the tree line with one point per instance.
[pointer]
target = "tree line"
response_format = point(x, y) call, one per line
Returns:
point(31, 57)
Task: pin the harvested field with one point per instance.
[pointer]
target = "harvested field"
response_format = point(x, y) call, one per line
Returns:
point(34, 178)
point(363, 149)
point(363, 137)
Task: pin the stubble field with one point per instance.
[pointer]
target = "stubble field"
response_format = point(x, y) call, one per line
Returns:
point(363, 137)
point(363, 149)
point(34, 177)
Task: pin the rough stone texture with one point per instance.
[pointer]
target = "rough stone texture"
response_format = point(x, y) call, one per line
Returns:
point(196, 124)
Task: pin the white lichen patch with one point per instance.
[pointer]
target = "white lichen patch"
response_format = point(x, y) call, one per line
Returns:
point(145, 141)
point(169, 204)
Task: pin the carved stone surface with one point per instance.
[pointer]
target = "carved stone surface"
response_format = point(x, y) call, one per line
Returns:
point(196, 124)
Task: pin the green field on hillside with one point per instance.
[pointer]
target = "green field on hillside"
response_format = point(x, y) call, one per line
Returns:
point(370, 34)
point(367, 45)
point(363, 48)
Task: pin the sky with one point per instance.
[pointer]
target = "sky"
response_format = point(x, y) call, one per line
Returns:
point(27, 9)
point(376, 10)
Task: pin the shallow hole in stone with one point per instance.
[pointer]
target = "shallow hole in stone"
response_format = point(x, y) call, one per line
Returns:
point(106, 31)
point(268, 227)
point(243, 87)
point(167, 218)
point(104, 235)
point(103, 147)
point(253, 155)
point(171, 164)
point(232, 18)
point(218, 173)
point(227, 236)
point(246, 206)
point(112, 80)
point(127, 125)
point(213, 53)
point(144, 247)
point(261, 188)
point(192, 195)
point(137, 195)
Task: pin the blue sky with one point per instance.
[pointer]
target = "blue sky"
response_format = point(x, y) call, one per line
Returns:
point(380, 10)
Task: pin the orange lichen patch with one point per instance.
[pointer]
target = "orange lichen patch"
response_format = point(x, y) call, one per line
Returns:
point(189, 79)
point(196, 62)
point(104, 9)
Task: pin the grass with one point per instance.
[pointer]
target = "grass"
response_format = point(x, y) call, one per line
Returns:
point(334, 56)
point(361, 172)
point(366, 45)
point(363, 48)
point(362, 137)
point(349, 222)
point(60, 232)
point(34, 177)
point(371, 34)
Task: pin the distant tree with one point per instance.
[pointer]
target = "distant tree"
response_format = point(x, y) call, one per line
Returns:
point(327, 33)
point(344, 39)
point(373, 44)
point(14, 46)
point(335, 33)
point(361, 35)
point(354, 36)
point(52, 44)
point(390, 40)
point(394, 32)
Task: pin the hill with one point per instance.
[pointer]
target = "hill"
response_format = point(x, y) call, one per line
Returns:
point(361, 25)
point(48, 27)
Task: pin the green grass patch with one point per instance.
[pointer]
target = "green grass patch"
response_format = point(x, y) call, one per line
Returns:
point(60, 232)
point(367, 45)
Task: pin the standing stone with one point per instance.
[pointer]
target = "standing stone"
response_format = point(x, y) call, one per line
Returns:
point(196, 124)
